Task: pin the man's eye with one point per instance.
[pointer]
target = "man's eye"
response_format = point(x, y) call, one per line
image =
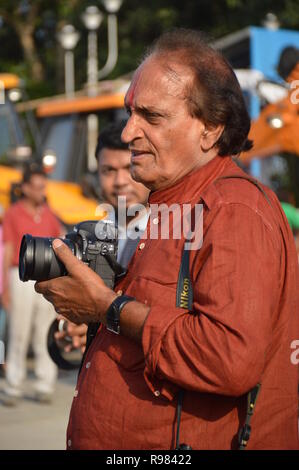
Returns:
point(153, 118)
point(107, 171)
point(129, 112)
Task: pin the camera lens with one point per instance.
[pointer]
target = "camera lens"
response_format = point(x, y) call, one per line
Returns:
point(37, 260)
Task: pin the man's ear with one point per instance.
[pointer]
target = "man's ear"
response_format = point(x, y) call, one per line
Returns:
point(210, 136)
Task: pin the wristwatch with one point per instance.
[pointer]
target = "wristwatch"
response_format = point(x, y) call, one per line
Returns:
point(114, 311)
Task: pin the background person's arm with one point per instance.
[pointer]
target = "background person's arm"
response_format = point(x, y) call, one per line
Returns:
point(78, 334)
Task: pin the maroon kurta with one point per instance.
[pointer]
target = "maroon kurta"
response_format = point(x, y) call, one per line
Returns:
point(245, 317)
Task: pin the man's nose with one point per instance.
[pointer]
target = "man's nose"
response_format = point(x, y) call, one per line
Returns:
point(121, 178)
point(131, 131)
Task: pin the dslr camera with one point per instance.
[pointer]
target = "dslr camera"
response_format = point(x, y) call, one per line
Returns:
point(94, 243)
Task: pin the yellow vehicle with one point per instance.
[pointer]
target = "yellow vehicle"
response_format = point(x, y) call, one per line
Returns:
point(276, 129)
point(61, 143)
point(13, 150)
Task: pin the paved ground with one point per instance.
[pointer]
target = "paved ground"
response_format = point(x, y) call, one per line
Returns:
point(35, 426)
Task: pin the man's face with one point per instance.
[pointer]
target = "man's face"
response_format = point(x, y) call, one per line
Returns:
point(35, 189)
point(163, 137)
point(115, 178)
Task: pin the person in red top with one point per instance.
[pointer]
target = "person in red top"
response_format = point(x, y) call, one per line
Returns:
point(187, 334)
point(26, 310)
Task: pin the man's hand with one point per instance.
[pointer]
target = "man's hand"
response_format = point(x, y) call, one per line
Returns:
point(81, 296)
point(76, 332)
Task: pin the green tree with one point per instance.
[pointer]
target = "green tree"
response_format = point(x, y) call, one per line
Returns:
point(28, 42)
point(29, 24)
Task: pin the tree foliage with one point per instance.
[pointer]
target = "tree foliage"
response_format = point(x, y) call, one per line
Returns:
point(29, 46)
point(28, 29)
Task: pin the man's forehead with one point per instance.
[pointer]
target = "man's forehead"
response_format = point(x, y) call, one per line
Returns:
point(130, 96)
point(158, 73)
point(37, 178)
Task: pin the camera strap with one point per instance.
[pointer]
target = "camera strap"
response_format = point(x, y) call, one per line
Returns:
point(184, 299)
point(91, 333)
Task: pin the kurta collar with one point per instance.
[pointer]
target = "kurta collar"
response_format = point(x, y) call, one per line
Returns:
point(193, 184)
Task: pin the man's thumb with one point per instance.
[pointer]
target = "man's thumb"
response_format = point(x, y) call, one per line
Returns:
point(65, 255)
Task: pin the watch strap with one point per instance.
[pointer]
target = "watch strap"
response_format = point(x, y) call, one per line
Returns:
point(114, 311)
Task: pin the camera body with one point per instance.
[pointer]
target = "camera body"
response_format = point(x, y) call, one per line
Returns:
point(93, 242)
point(96, 245)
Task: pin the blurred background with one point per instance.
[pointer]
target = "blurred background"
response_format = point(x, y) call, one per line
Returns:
point(65, 67)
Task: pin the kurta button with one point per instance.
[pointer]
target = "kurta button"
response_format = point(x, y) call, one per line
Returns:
point(156, 221)
point(88, 365)
point(141, 246)
point(157, 393)
point(69, 443)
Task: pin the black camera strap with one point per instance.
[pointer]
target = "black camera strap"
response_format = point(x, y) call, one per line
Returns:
point(184, 299)
point(90, 335)
point(245, 431)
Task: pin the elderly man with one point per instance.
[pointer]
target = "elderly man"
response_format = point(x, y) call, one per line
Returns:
point(157, 366)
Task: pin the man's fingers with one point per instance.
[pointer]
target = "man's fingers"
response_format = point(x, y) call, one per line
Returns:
point(76, 342)
point(79, 341)
point(37, 287)
point(68, 348)
point(76, 330)
point(41, 287)
point(66, 256)
point(60, 317)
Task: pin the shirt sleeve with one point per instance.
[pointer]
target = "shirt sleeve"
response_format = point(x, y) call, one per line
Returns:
point(220, 346)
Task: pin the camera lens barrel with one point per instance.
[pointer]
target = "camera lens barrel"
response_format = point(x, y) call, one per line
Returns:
point(37, 259)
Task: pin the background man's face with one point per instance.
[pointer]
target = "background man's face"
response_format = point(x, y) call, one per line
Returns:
point(115, 178)
point(35, 189)
point(163, 137)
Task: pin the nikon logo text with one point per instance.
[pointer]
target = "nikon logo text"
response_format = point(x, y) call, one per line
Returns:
point(2, 352)
point(185, 294)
